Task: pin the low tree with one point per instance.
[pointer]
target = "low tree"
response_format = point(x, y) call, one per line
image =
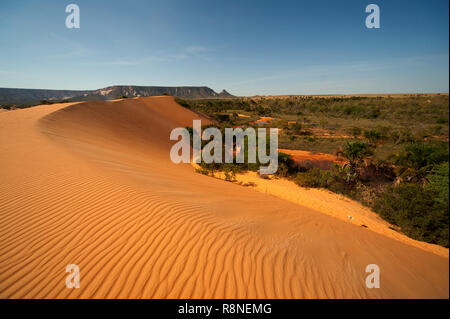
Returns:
point(374, 136)
point(355, 153)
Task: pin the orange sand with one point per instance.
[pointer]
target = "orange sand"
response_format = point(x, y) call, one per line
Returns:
point(92, 184)
point(308, 159)
point(263, 119)
point(328, 203)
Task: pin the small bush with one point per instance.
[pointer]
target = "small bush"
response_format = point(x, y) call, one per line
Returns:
point(373, 136)
point(421, 155)
point(415, 210)
point(310, 178)
point(314, 178)
point(334, 180)
point(286, 165)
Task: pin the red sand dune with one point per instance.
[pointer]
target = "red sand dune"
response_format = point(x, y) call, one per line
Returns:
point(92, 184)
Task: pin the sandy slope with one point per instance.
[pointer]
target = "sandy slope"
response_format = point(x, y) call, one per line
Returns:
point(92, 184)
point(329, 203)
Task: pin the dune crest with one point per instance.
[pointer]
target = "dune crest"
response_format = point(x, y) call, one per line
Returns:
point(92, 184)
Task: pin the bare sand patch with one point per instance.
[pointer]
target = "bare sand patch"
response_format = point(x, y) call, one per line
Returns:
point(309, 159)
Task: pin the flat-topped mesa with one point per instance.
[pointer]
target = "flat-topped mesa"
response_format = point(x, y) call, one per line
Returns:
point(177, 91)
point(38, 96)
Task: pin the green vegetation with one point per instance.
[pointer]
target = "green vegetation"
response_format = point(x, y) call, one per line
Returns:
point(416, 211)
point(418, 159)
point(396, 151)
point(438, 182)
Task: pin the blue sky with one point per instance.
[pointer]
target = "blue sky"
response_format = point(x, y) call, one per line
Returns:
point(246, 47)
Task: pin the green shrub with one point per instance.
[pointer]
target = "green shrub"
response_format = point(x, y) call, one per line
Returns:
point(373, 136)
point(356, 151)
point(438, 182)
point(415, 210)
point(313, 177)
point(285, 165)
point(419, 158)
point(354, 110)
point(332, 179)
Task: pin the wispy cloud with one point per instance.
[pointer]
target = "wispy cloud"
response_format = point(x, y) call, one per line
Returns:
point(149, 59)
point(331, 70)
point(194, 51)
point(189, 52)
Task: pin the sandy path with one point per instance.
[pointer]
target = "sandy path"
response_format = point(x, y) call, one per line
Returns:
point(92, 184)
